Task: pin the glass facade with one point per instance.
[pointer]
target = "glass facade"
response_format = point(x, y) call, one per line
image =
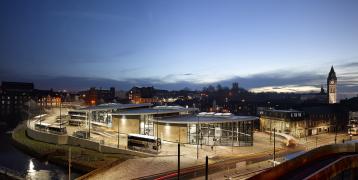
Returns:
point(238, 133)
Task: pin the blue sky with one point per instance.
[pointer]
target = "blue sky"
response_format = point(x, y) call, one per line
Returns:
point(189, 43)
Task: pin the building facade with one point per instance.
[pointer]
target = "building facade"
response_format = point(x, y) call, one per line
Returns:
point(306, 121)
point(170, 123)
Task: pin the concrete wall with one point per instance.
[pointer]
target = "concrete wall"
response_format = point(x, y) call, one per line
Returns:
point(84, 143)
point(126, 126)
point(170, 132)
point(47, 137)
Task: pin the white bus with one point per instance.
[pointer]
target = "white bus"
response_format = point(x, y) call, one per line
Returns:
point(55, 129)
point(353, 127)
point(41, 126)
point(143, 142)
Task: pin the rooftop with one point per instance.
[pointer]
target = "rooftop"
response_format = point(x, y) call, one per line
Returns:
point(113, 106)
point(205, 119)
point(283, 111)
point(155, 110)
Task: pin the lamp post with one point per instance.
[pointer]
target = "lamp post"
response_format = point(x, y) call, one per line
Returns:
point(89, 124)
point(270, 130)
point(60, 114)
point(206, 168)
point(178, 160)
point(157, 131)
point(197, 139)
point(118, 134)
point(335, 136)
point(274, 147)
point(28, 113)
point(69, 163)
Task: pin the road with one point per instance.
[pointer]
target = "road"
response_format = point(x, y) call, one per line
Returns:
point(224, 165)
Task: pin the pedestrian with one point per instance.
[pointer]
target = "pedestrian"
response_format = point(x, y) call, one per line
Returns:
point(212, 148)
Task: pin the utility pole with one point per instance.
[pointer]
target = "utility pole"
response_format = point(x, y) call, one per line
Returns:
point(118, 134)
point(232, 138)
point(69, 163)
point(178, 160)
point(157, 131)
point(206, 168)
point(274, 147)
point(89, 124)
point(335, 122)
point(60, 114)
point(270, 130)
point(197, 139)
point(28, 113)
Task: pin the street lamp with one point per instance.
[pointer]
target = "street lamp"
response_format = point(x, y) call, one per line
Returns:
point(118, 134)
point(197, 139)
point(60, 114)
point(335, 122)
point(157, 131)
point(274, 147)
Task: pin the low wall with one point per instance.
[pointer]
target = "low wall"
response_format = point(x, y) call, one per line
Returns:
point(113, 150)
point(310, 156)
point(47, 137)
point(84, 143)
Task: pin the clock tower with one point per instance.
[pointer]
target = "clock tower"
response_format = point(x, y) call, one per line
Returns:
point(332, 87)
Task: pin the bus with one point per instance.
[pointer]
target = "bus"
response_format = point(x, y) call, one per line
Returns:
point(41, 126)
point(143, 143)
point(55, 129)
point(353, 131)
point(77, 117)
point(353, 127)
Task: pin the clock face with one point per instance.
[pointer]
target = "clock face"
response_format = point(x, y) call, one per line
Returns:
point(331, 82)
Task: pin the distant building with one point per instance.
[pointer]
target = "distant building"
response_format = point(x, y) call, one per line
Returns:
point(142, 95)
point(95, 96)
point(15, 95)
point(332, 87)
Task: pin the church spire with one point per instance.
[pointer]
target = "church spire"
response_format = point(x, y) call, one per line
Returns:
point(332, 74)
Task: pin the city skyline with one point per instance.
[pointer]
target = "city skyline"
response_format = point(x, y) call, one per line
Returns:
point(282, 47)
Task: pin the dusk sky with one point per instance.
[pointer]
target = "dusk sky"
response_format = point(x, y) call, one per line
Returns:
point(263, 45)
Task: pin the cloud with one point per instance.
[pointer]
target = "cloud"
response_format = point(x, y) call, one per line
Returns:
point(349, 65)
point(188, 74)
point(286, 89)
point(99, 16)
point(275, 81)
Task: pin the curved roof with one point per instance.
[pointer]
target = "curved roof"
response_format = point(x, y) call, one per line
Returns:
point(147, 111)
point(193, 119)
point(119, 106)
